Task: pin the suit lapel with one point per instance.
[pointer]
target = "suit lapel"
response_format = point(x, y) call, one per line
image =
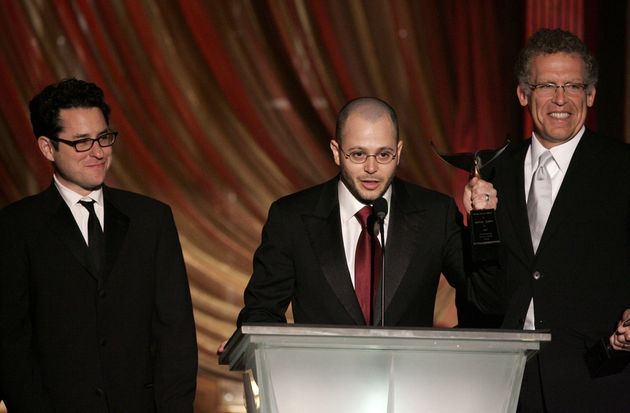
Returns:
point(512, 198)
point(405, 225)
point(324, 231)
point(578, 175)
point(63, 224)
point(116, 225)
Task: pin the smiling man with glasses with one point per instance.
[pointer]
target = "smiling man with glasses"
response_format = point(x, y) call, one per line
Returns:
point(95, 310)
point(85, 144)
point(312, 253)
point(564, 216)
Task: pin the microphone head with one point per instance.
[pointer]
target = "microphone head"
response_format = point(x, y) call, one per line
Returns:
point(379, 208)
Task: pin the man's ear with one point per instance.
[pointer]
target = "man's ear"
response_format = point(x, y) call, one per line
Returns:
point(523, 97)
point(399, 148)
point(334, 147)
point(46, 147)
point(590, 96)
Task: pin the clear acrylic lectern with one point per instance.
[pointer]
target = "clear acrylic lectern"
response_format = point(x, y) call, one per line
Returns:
point(304, 369)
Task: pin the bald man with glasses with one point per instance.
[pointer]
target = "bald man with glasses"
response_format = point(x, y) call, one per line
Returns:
point(312, 253)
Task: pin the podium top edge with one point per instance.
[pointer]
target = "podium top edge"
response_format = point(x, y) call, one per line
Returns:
point(392, 332)
point(375, 337)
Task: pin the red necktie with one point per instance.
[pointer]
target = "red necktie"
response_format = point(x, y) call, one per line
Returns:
point(368, 249)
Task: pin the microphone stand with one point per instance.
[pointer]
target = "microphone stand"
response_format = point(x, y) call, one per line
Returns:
point(381, 223)
point(380, 212)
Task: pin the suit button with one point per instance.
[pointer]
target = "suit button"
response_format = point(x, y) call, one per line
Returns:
point(537, 275)
point(99, 392)
point(102, 293)
point(103, 342)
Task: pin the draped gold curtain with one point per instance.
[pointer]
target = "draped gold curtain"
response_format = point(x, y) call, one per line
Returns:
point(224, 106)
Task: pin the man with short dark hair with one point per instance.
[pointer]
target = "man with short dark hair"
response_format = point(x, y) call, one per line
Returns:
point(95, 310)
point(564, 218)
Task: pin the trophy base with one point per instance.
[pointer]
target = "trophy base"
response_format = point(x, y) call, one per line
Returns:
point(484, 235)
point(485, 252)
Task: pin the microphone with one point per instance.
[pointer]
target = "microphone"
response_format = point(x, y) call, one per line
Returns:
point(379, 212)
point(379, 209)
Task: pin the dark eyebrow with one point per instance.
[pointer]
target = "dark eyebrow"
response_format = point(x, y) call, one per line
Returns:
point(87, 136)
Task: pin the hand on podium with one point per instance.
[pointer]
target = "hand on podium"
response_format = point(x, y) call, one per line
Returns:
point(221, 348)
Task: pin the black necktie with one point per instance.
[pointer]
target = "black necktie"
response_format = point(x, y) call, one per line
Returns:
point(96, 239)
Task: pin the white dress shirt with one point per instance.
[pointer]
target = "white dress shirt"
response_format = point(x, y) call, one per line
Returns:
point(79, 212)
point(350, 226)
point(557, 169)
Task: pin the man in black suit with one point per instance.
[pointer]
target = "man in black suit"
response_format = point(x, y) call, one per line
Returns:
point(565, 228)
point(91, 320)
point(309, 242)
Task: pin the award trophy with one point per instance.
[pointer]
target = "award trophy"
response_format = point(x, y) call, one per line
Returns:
point(482, 222)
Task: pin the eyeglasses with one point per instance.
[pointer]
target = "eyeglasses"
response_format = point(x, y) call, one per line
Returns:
point(549, 89)
point(358, 156)
point(83, 145)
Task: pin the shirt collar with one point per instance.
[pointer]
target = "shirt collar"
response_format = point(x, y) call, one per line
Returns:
point(72, 198)
point(349, 205)
point(562, 153)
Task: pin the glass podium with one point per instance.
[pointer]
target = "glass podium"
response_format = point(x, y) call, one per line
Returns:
point(304, 369)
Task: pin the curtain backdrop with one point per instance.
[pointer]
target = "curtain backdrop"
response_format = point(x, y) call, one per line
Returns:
point(224, 106)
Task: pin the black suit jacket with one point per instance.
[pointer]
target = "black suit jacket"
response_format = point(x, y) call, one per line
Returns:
point(579, 277)
point(301, 259)
point(76, 341)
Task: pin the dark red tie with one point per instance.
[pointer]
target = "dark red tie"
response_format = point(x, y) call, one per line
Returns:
point(368, 249)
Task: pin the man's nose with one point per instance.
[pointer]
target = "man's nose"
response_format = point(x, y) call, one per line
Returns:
point(96, 150)
point(559, 95)
point(370, 164)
